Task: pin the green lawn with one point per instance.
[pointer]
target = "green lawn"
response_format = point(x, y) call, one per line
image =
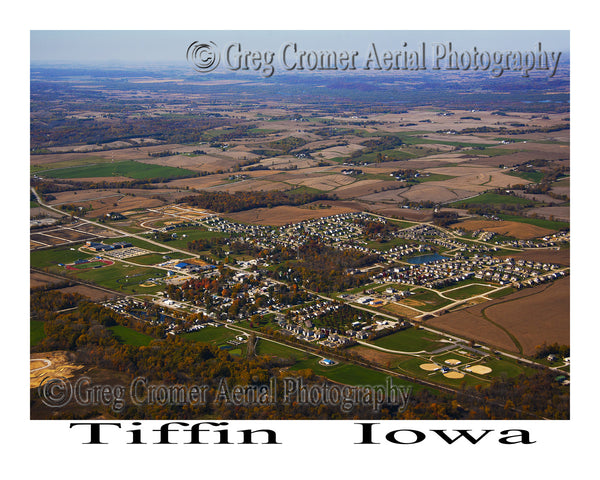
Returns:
point(136, 242)
point(191, 234)
point(540, 222)
point(52, 256)
point(503, 292)
point(468, 292)
point(122, 277)
point(214, 335)
point(126, 168)
point(36, 332)
point(266, 347)
point(428, 300)
point(130, 337)
point(410, 340)
point(349, 374)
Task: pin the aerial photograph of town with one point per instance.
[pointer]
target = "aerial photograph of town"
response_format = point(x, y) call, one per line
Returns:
point(302, 225)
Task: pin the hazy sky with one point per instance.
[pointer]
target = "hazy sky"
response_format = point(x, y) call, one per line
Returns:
point(147, 46)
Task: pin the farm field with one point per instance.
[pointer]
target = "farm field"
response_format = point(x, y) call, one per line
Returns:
point(125, 169)
point(517, 322)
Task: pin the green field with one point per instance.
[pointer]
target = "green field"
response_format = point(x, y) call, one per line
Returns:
point(430, 300)
point(53, 256)
point(126, 168)
point(154, 258)
point(468, 292)
point(491, 199)
point(502, 293)
point(540, 222)
point(136, 242)
point(349, 374)
point(214, 335)
point(191, 234)
point(122, 277)
point(534, 176)
point(266, 347)
point(410, 340)
point(130, 337)
point(36, 332)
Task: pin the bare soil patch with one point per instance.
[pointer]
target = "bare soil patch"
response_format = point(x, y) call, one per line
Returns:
point(87, 291)
point(518, 230)
point(283, 214)
point(560, 257)
point(533, 316)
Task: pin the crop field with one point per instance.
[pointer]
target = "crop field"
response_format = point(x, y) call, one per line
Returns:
point(520, 230)
point(283, 214)
point(517, 322)
point(127, 168)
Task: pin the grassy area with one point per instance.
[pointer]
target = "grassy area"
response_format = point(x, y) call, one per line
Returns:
point(266, 347)
point(68, 163)
point(126, 168)
point(387, 245)
point(136, 242)
point(540, 222)
point(191, 234)
point(122, 277)
point(154, 258)
point(130, 337)
point(214, 335)
point(53, 256)
point(533, 176)
point(410, 340)
point(425, 300)
point(491, 199)
point(349, 374)
point(502, 293)
point(468, 292)
point(36, 332)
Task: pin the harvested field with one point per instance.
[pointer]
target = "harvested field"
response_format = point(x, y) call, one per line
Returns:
point(207, 163)
point(543, 255)
point(518, 230)
point(253, 185)
point(532, 316)
point(339, 151)
point(283, 215)
point(537, 318)
point(92, 293)
point(46, 239)
point(558, 213)
point(377, 356)
point(470, 324)
point(363, 187)
point(327, 182)
point(37, 279)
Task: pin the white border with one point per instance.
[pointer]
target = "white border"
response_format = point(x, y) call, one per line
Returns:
point(312, 448)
